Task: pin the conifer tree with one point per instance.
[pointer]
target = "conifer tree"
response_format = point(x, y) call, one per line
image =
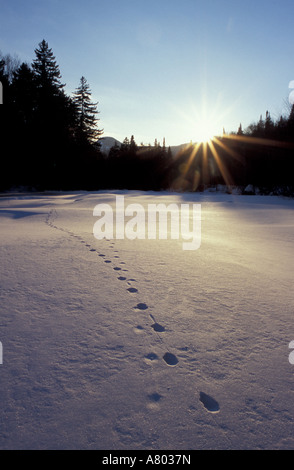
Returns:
point(86, 113)
point(268, 125)
point(163, 145)
point(52, 103)
point(54, 119)
point(24, 92)
point(133, 145)
point(46, 70)
point(126, 144)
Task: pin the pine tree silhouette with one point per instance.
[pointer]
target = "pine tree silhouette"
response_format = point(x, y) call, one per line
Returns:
point(46, 70)
point(86, 113)
point(54, 118)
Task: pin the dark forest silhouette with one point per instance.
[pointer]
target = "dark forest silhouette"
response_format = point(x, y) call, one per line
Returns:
point(50, 141)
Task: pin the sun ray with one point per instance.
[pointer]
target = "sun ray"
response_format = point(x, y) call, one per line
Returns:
point(195, 150)
point(224, 172)
point(258, 141)
point(205, 163)
point(227, 149)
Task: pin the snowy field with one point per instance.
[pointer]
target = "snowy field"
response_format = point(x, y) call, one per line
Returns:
point(138, 344)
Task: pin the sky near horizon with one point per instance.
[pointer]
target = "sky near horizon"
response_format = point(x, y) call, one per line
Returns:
point(164, 68)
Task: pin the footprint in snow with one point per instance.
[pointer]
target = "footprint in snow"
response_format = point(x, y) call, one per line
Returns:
point(132, 290)
point(154, 397)
point(157, 327)
point(141, 306)
point(150, 358)
point(121, 278)
point(139, 329)
point(117, 269)
point(170, 359)
point(209, 403)
point(153, 401)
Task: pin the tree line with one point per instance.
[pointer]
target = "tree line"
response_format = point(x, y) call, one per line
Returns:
point(50, 140)
point(264, 154)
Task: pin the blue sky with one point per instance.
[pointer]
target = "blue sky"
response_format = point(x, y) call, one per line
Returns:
point(164, 68)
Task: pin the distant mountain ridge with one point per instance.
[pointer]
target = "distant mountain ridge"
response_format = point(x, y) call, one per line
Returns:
point(106, 143)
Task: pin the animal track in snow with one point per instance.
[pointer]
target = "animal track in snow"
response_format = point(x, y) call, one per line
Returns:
point(150, 358)
point(153, 401)
point(141, 306)
point(158, 328)
point(132, 290)
point(170, 359)
point(155, 397)
point(139, 329)
point(209, 403)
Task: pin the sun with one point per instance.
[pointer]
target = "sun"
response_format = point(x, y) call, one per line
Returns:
point(206, 130)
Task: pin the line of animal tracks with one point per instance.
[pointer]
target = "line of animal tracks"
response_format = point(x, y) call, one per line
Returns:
point(120, 270)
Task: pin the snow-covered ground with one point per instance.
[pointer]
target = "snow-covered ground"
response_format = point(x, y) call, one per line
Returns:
point(138, 344)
